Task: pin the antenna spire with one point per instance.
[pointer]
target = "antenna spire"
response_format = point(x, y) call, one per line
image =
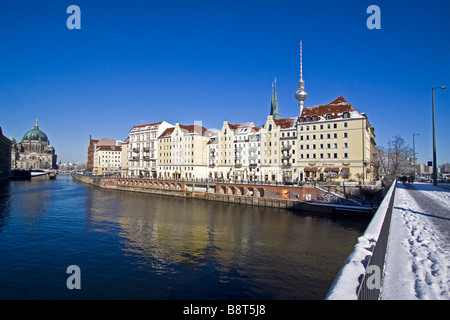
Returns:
point(301, 94)
point(301, 61)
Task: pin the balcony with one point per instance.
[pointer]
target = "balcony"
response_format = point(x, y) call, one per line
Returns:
point(285, 165)
point(286, 156)
point(146, 149)
point(136, 150)
point(286, 147)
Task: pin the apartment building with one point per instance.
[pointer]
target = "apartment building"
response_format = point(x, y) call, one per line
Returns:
point(107, 160)
point(335, 141)
point(182, 152)
point(143, 149)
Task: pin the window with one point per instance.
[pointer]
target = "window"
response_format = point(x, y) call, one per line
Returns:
point(335, 155)
point(328, 117)
point(345, 145)
point(345, 125)
point(345, 135)
point(345, 155)
point(335, 135)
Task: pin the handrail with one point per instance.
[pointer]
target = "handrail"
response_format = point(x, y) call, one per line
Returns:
point(361, 276)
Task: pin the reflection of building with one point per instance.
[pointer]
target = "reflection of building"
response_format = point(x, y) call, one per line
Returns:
point(5, 156)
point(34, 151)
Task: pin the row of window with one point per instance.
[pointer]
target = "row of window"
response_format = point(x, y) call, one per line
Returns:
point(311, 156)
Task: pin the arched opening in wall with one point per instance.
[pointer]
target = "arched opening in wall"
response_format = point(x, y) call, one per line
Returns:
point(260, 192)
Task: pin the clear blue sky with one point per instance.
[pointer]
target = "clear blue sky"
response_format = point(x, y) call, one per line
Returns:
point(136, 62)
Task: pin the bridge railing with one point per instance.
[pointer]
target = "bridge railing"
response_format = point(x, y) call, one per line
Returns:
point(361, 276)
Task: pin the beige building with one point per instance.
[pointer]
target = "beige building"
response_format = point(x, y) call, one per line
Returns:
point(233, 154)
point(107, 160)
point(327, 142)
point(335, 141)
point(182, 152)
point(143, 149)
point(124, 158)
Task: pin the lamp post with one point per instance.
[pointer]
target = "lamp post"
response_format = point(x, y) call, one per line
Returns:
point(434, 139)
point(414, 154)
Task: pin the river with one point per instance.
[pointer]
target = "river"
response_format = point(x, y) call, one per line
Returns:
point(141, 246)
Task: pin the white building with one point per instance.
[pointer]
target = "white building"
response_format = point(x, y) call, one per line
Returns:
point(143, 149)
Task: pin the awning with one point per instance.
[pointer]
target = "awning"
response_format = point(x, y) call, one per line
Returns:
point(335, 170)
point(368, 170)
point(328, 169)
point(312, 169)
point(345, 170)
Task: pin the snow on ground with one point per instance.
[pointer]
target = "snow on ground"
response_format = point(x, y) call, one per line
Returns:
point(418, 257)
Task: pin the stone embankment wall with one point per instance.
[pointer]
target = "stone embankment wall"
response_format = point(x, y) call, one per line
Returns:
point(302, 198)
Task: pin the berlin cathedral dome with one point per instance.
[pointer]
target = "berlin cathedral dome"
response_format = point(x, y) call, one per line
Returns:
point(33, 152)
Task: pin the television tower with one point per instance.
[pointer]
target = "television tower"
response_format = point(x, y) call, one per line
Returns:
point(301, 94)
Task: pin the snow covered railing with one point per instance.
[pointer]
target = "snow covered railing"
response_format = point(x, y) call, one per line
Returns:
point(361, 276)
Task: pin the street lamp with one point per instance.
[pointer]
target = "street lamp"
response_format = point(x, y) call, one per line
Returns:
point(434, 139)
point(414, 154)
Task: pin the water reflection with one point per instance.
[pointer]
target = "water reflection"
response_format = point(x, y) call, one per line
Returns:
point(140, 246)
point(255, 246)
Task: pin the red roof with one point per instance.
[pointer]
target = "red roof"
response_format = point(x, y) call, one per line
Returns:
point(186, 129)
point(335, 109)
point(287, 123)
point(146, 125)
point(110, 148)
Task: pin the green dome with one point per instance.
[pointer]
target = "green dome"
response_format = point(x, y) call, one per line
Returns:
point(35, 134)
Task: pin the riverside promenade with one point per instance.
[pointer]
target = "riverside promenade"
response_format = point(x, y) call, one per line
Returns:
point(418, 255)
point(405, 252)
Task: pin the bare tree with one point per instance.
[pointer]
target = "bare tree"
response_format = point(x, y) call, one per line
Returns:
point(399, 155)
point(395, 160)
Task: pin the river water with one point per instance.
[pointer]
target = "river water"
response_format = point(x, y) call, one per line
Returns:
point(140, 246)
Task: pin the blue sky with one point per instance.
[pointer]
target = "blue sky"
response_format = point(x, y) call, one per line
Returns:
point(136, 62)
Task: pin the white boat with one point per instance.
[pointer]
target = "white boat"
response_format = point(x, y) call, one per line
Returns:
point(36, 173)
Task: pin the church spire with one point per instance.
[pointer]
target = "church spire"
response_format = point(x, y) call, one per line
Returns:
point(274, 105)
point(36, 125)
point(301, 94)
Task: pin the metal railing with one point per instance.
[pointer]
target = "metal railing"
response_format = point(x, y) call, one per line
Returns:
point(361, 277)
point(368, 290)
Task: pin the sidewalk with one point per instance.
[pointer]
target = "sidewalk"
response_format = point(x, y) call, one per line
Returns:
point(417, 263)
